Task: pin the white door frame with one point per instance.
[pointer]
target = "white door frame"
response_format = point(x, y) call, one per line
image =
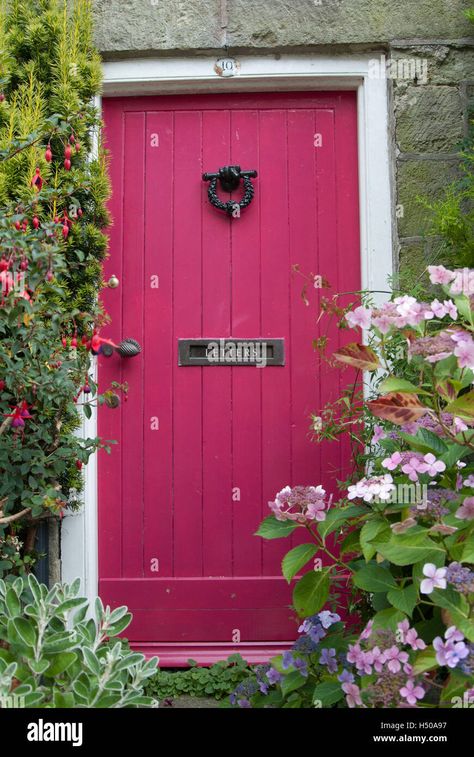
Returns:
point(276, 73)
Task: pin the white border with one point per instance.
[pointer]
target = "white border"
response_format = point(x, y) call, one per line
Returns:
point(181, 75)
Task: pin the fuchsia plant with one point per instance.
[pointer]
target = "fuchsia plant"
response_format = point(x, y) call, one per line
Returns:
point(404, 528)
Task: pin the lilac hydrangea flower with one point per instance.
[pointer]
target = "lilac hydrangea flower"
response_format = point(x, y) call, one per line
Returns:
point(274, 676)
point(451, 651)
point(287, 660)
point(313, 628)
point(328, 618)
point(302, 666)
point(346, 676)
point(411, 692)
point(328, 658)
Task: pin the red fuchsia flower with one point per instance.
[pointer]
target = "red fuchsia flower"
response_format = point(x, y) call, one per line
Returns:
point(359, 318)
point(435, 578)
point(97, 341)
point(37, 180)
point(352, 693)
point(19, 415)
point(466, 511)
point(412, 692)
point(440, 275)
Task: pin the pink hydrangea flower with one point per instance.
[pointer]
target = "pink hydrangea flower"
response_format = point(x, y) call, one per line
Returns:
point(435, 578)
point(431, 465)
point(464, 351)
point(379, 434)
point(463, 282)
point(441, 309)
point(354, 654)
point(459, 426)
point(394, 658)
point(366, 633)
point(352, 692)
point(359, 318)
point(412, 311)
point(410, 636)
point(466, 511)
point(302, 504)
point(440, 275)
point(412, 468)
point(368, 489)
point(377, 658)
point(393, 461)
point(412, 692)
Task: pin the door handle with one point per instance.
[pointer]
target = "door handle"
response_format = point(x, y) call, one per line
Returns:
point(127, 348)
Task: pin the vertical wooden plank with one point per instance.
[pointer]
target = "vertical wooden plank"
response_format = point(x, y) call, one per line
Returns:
point(187, 400)
point(246, 381)
point(158, 346)
point(110, 421)
point(303, 252)
point(132, 326)
point(275, 294)
point(329, 269)
point(348, 238)
point(217, 398)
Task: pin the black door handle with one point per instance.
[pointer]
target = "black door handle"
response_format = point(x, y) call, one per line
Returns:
point(126, 348)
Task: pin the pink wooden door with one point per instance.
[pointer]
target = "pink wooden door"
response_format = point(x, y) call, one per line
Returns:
point(203, 449)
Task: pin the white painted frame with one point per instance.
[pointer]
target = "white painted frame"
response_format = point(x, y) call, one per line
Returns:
point(276, 73)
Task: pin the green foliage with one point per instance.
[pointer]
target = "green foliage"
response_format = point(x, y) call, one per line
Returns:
point(53, 655)
point(217, 681)
point(53, 190)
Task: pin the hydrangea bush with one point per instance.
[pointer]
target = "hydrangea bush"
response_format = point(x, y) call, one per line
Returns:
point(403, 532)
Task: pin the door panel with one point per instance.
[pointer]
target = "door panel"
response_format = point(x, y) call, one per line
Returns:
point(203, 449)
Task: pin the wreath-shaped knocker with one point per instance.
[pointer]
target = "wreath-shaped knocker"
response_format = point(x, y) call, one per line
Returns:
point(229, 178)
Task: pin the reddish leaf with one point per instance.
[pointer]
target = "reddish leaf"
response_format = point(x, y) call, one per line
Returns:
point(398, 408)
point(359, 356)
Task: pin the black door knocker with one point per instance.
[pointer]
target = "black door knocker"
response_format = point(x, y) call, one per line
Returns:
point(229, 178)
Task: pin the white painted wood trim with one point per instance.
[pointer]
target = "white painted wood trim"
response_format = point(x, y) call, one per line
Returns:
point(257, 73)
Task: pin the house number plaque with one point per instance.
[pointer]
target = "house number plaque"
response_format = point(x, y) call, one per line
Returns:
point(231, 352)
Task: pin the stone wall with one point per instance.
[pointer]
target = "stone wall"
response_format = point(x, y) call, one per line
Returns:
point(429, 112)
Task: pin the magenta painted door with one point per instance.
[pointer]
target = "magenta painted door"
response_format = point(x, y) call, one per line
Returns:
point(203, 449)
